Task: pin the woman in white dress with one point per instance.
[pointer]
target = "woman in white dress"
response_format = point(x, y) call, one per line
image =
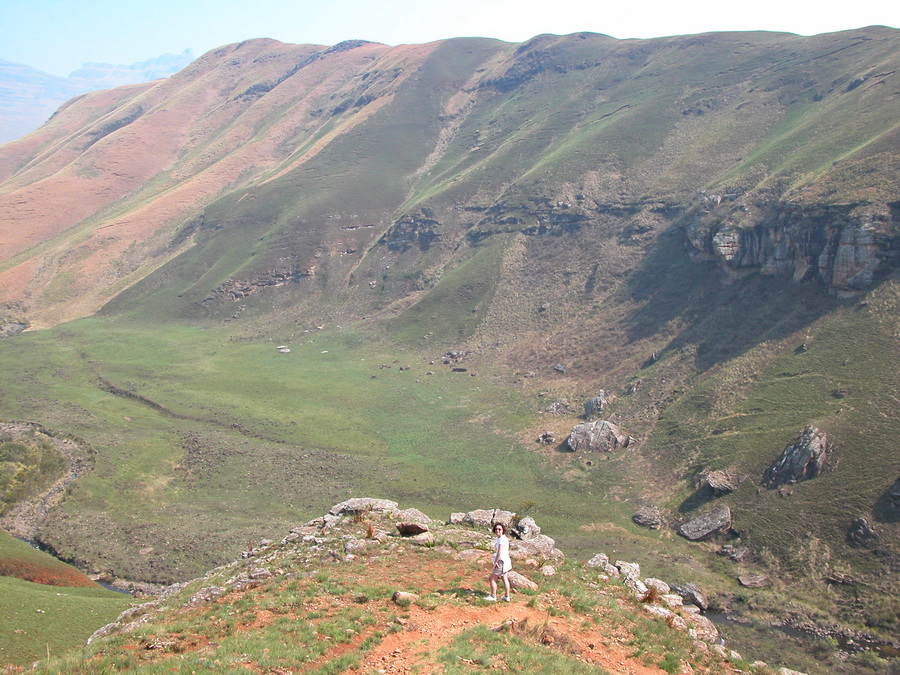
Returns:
point(501, 563)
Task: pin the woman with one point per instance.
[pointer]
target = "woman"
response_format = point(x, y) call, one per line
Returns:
point(501, 563)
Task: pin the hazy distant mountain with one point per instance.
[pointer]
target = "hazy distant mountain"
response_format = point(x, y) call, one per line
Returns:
point(28, 97)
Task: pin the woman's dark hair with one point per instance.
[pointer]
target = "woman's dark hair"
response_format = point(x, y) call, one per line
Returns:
point(496, 525)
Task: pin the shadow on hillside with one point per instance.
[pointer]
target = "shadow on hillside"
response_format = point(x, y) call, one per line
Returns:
point(886, 510)
point(701, 496)
point(721, 319)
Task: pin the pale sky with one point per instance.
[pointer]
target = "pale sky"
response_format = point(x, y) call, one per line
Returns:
point(58, 36)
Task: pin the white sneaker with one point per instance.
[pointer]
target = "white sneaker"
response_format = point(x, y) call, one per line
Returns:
point(491, 598)
point(505, 598)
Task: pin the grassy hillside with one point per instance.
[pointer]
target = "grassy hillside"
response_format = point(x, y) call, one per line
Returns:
point(449, 239)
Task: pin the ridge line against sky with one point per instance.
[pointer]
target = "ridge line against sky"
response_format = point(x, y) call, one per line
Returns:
point(58, 36)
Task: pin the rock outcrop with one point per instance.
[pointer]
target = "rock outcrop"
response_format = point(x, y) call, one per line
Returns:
point(800, 460)
point(843, 250)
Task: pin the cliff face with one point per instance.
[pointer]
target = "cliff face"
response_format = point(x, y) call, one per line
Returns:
point(845, 248)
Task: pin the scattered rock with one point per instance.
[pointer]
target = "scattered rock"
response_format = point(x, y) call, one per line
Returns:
point(733, 554)
point(599, 436)
point(560, 406)
point(703, 527)
point(205, 596)
point(636, 586)
point(355, 546)
point(548, 570)
point(801, 459)
point(648, 516)
point(559, 368)
point(547, 438)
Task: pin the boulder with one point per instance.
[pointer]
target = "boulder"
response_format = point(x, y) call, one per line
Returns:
point(599, 560)
point(753, 580)
point(526, 528)
point(486, 518)
point(702, 628)
point(800, 460)
point(473, 555)
point(423, 539)
point(413, 516)
point(411, 528)
point(703, 527)
point(404, 599)
point(637, 587)
point(359, 505)
point(692, 594)
point(861, 534)
point(658, 584)
point(540, 546)
point(519, 581)
point(593, 406)
point(599, 436)
point(629, 569)
point(719, 482)
point(649, 517)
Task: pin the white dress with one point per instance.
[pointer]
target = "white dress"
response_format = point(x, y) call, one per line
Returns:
point(502, 562)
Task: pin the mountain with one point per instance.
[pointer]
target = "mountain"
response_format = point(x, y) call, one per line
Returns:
point(289, 274)
point(28, 97)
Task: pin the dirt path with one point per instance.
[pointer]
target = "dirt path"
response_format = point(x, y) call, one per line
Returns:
point(425, 632)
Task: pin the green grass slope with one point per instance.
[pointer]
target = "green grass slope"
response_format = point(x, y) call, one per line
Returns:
point(48, 607)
